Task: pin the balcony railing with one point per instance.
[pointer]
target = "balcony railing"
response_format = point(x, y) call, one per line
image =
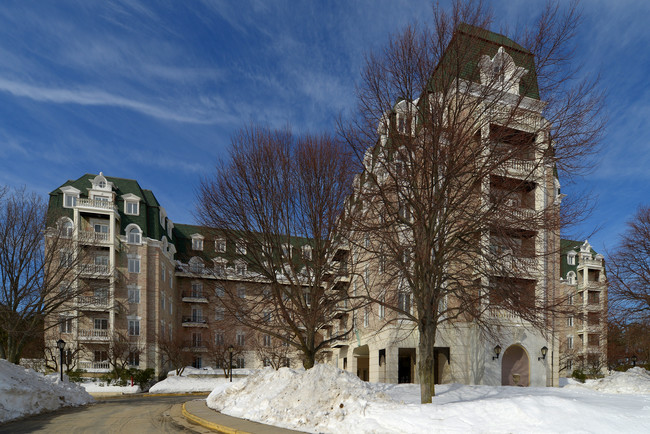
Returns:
point(94, 366)
point(592, 262)
point(98, 204)
point(524, 167)
point(95, 269)
point(92, 301)
point(94, 237)
point(195, 345)
point(94, 334)
point(195, 319)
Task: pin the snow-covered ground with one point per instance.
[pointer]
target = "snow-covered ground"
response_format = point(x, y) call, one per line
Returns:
point(197, 380)
point(24, 391)
point(326, 399)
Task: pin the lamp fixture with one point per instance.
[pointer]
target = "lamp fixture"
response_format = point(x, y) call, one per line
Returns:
point(544, 351)
point(497, 351)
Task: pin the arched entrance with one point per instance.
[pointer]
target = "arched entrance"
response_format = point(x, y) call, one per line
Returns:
point(362, 354)
point(515, 367)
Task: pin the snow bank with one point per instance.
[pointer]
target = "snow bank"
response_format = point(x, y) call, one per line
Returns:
point(326, 399)
point(188, 384)
point(101, 387)
point(296, 398)
point(189, 370)
point(24, 391)
point(634, 380)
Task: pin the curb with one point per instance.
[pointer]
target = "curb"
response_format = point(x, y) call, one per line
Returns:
point(210, 425)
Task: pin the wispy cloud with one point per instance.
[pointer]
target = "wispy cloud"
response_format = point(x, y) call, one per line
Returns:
point(91, 97)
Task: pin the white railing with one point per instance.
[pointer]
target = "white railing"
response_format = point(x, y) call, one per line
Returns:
point(88, 366)
point(93, 237)
point(501, 313)
point(524, 166)
point(94, 203)
point(92, 300)
point(95, 269)
point(592, 262)
point(93, 333)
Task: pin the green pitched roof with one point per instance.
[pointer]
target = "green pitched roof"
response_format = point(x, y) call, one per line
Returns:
point(148, 219)
point(468, 45)
point(565, 247)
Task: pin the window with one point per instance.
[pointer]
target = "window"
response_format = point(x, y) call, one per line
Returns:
point(134, 236)
point(66, 259)
point(569, 321)
point(171, 311)
point(219, 291)
point(132, 208)
point(219, 313)
point(240, 362)
point(196, 265)
point(197, 289)
point(268, 316)
point(134, 358)
point(163, 272)
point(66, 229)
point(197, 244)
point(571, 278)
point(571, 258)
point(366, 242)
point(134, 295)
point(100, 355)
point(218, 338)
point(197, 363)
point(197, 314)
point(162, 329)
point(570, 299)
point(65, 324)
point(241, 292)
point(569, 342)
point(101, 323)
point(241, 338)
point(69, 201)
point(306, 253)
point(266, 362)
point(162, 302)
point(220, 245)
point(241, 268)
point(382, 308)
point(197, 340)
point(134, 265)
point(267, 340)
point(286, 250)
point(240, 247)
point(134, 327)
point(404, 302)
point(366, 317)
point(219, 269)
point(593, 297)
point(307, 298)
point(382, 263)
point(171, 281)
point(569, 365)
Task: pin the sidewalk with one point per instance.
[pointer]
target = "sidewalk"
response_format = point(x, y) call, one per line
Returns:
point(198, 412)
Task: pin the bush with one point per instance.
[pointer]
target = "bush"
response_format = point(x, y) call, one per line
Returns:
point(76, 376)
point(579, 375)
point(142, 377)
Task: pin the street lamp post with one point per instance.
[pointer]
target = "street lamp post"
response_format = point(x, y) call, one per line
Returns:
point(60, 344)
point(633, 360)
point(230, 349)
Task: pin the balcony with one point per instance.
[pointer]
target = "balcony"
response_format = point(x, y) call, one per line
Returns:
point(517, 264)
point(92, 237)
point(195, 346)
point(94, 366)
point(92, 302)
point(93, 335)
point(95, 270)
point(97, 205)
point(502, 314)
point(195, 321)
point(590, 263)
point(194, 297)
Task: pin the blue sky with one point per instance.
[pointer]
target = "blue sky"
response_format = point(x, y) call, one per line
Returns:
point(153, 90)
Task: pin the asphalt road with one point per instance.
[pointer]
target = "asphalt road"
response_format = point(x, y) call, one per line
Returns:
point(157, 414)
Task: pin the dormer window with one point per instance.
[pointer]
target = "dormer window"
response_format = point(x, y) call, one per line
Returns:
point(571, 258)
point(501, 72)
point(131, 204)
point(220, 245)
point(197, 242)
point(70, 196)
point(240, 247)
point(100, 183)
point(306, 252)
point(133, 234)
point(67, 228)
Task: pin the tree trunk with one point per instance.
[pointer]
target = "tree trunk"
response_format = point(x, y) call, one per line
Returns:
point(426, 362)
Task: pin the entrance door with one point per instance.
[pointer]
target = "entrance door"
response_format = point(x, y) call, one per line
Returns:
point(515, 368)
point(405, 365)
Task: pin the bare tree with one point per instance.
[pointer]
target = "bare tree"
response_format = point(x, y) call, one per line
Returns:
point(174, 352)
point(38, 268)
point(278, 200)
point(70, 357)
point(462, 134)
point(629, 270)
point(123, 350)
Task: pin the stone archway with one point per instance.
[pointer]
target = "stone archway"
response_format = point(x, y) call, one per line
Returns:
point(515, 367)
point(362, 356)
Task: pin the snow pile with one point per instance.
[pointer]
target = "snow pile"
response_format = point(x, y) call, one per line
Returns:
point(326, 399)
point(190, 371)
point(101, 387)
point(24, 391)
point(296, 398)
point(634, 380)
point(188, 384)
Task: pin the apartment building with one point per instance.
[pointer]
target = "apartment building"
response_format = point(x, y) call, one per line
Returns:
point(144, 280)
point(516, 253)
point(583, 329)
